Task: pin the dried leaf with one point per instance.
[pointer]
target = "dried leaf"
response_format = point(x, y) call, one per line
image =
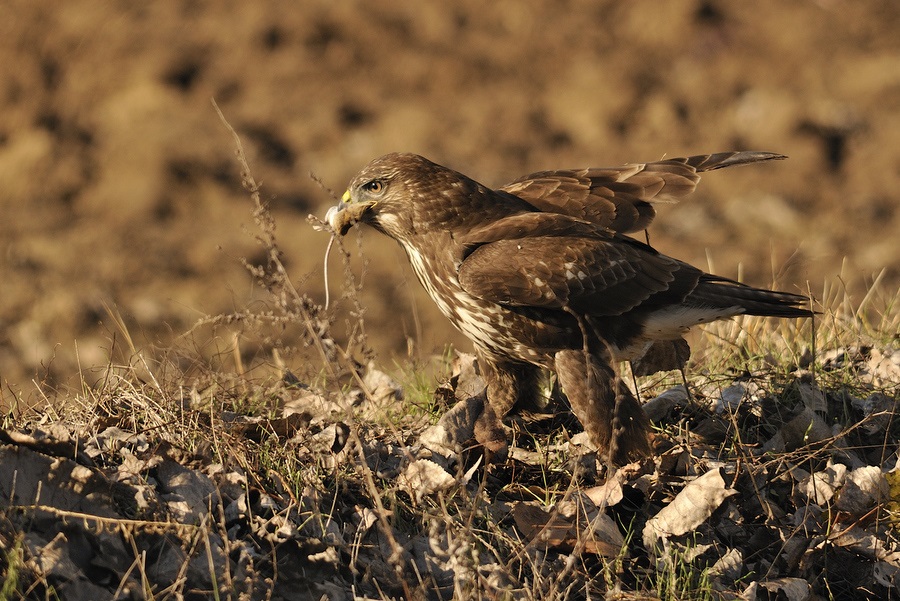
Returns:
point(383, 388)
point(27, 478)
point(813, 397)
point(819, 488)
point(879, 411)
point(859, 541)
point(424, 477)
point(540, 527)
point(52, 560)
point(690, 508)
point(186, 492)
point(607, 494)
point(312, 406)
point(42, 442)
point(661, 407)
point(886, 575)
point(883, 367)
point(366, 519)
point(791, 589)
point(554, 530)
point(731, 398)
point(862, 490)
point(466, 380)
point(729, 567)
point(261, 428)
point(808, 427)
point(331, 439)
point(454, 429)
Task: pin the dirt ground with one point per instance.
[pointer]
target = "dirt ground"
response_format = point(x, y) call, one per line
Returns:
point(119, 188)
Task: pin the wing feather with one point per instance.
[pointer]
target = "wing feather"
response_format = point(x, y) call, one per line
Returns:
point(620, 199)
point(600, 276)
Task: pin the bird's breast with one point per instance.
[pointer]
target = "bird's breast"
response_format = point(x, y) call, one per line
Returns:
point(491, 327)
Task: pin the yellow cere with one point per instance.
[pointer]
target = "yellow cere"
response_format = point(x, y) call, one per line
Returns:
point(346, 196)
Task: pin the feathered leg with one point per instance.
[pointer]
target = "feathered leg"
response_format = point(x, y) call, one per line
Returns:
point(612, 417)
point(508, 383)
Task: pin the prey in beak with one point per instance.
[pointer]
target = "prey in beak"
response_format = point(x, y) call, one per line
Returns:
point(343, 216)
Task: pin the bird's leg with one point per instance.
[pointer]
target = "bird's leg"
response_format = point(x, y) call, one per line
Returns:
point(508, 383)
point(684, 380)
point(634, 381)
point(612, 417)
point(622, 419)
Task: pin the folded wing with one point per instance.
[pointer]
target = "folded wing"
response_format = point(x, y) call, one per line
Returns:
point(555, 262)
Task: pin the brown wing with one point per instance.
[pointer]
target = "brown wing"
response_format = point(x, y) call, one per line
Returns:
point(619, 198)
point(592, 275)
point(525, 225)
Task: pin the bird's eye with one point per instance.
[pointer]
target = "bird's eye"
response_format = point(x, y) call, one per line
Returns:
point(374, 187)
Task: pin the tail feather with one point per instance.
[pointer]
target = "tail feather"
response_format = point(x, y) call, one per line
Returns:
point(709, 162)
point(716, 292)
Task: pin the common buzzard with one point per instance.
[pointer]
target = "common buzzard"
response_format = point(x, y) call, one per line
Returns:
point(541, 274)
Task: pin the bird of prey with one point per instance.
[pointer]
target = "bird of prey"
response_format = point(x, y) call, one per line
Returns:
point(542, 274)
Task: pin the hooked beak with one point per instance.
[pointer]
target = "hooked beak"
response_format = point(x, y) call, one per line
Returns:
point(343, 216)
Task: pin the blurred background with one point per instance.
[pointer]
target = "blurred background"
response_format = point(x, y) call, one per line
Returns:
point(119, 187)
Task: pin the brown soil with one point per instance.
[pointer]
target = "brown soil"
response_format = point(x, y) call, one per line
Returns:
point(120, 189)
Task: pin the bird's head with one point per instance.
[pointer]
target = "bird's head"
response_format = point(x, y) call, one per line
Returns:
point(403, 194)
